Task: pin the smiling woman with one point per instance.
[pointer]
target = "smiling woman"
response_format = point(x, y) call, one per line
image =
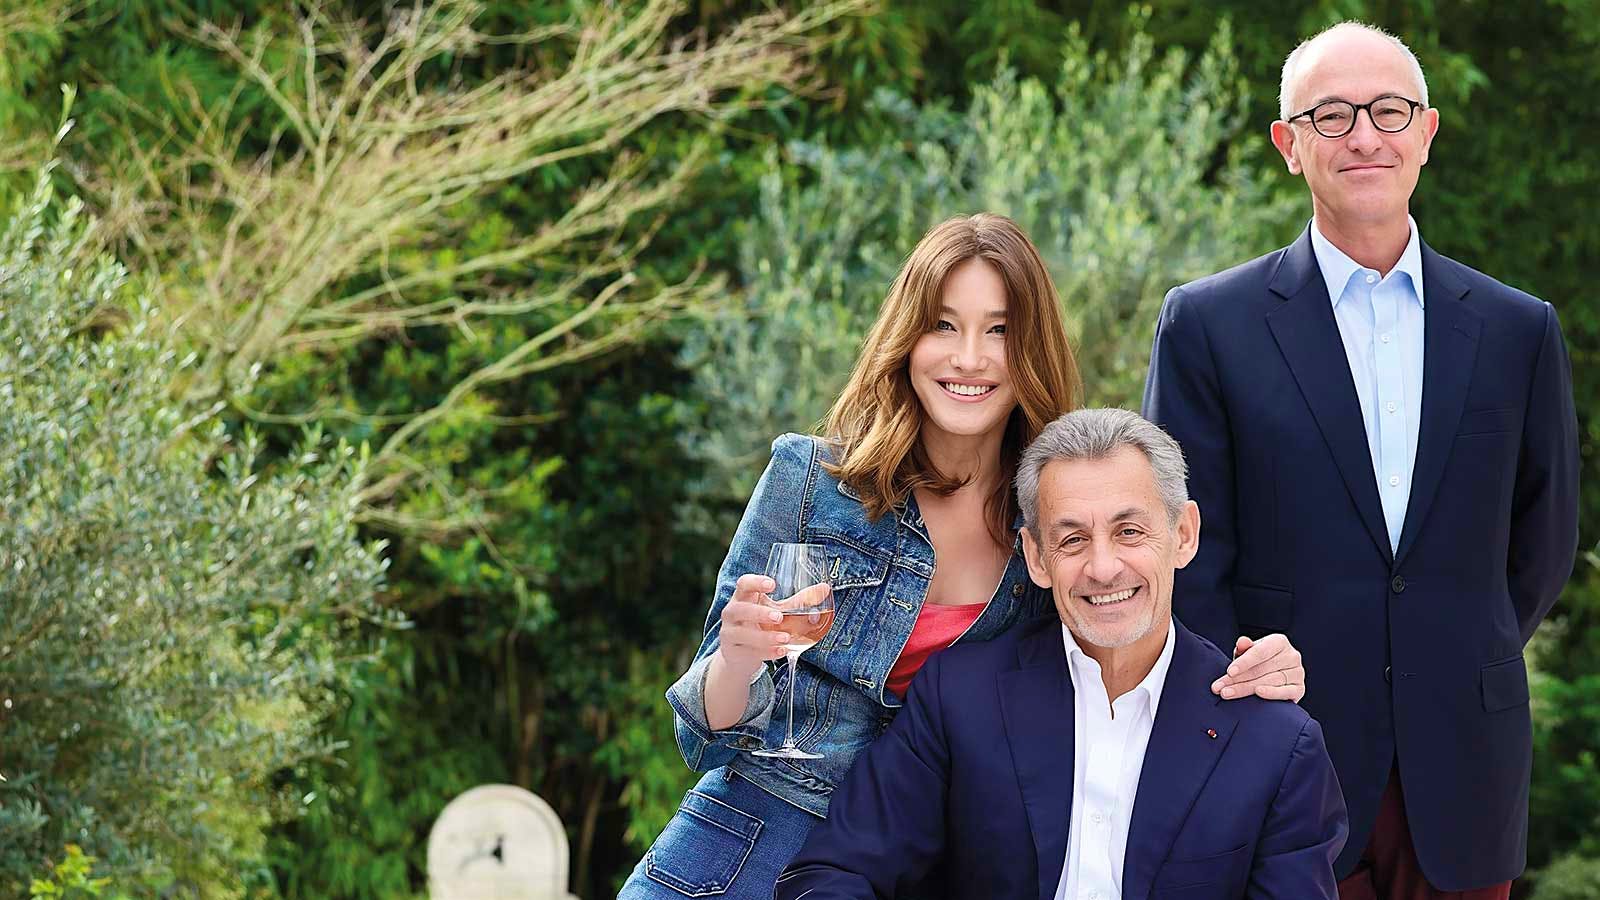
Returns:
point(972, 309)
point(909, 492)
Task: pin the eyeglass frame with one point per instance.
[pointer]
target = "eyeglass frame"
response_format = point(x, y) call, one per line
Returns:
point(1355, 113)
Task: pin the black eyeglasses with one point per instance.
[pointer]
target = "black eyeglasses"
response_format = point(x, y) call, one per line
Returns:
point(1335, 118)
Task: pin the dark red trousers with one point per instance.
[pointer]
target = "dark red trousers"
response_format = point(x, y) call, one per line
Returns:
point(1389, 870)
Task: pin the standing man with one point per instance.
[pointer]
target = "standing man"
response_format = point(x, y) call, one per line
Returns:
point(1384, 444)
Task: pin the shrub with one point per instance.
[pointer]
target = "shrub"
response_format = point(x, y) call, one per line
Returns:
point(1569, 878)
point(172, 615)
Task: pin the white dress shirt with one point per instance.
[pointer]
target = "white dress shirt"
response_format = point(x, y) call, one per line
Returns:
point(1107, 757)
point(1380, 321)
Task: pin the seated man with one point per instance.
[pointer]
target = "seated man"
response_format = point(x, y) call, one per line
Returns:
point(1087, 757)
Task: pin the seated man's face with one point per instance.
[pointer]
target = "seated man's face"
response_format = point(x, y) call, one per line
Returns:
point(1107, 548)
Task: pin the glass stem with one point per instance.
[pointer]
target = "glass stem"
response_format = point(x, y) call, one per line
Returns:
point(793, 658)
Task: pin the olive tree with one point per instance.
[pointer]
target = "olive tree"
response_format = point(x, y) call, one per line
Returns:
point(171, 617)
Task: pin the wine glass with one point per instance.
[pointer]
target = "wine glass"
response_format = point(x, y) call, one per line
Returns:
point(800, 576)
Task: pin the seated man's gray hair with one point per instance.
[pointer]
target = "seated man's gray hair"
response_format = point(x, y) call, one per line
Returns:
point(1097, 434)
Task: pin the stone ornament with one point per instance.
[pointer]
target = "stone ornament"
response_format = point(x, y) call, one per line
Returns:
point(497, 842)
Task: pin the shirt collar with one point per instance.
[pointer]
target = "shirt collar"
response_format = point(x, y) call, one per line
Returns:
point(1080, 664)
point(1337, 267)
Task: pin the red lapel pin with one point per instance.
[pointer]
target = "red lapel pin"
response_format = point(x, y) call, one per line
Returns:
point(1211, 733)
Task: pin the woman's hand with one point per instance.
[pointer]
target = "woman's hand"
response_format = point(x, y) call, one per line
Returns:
point(744, 641)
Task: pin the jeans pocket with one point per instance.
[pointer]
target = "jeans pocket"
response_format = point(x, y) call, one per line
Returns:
point(702, 849)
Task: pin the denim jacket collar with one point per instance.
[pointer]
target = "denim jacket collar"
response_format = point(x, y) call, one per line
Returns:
point(906, 511)
point(911, 517)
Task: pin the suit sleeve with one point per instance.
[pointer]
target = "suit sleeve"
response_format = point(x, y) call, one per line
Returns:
point(1183, 396)
point(1544, 504)
point(1305, 830)
point(885, 825)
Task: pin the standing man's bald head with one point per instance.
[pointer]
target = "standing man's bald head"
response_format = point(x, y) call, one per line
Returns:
point(1288, 101)
point(1357, 126)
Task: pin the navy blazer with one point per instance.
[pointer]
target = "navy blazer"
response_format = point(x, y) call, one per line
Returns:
point(972, 785)
point(1412, 657)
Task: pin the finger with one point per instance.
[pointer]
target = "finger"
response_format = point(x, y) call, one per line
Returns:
point(1240, 647)
point(1267, 670)
point(1285, 667)
point(752, 587)
point(808, 597)
point(1290, 692)
point(1262, 657)
point(1259, 676)
point(750, 614)
point(1287, 662)
point(1276, 683)
point(1233, 689)
point(758, 640)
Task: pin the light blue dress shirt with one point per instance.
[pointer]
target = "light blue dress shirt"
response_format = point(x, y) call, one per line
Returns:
point(1380, 321)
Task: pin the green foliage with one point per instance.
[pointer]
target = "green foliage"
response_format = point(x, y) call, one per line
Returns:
point(175, 618)
point(274, 209)
point(1129, 172)
point(1569, 878)
point(555, 542)
point(414, 736)
point(1565, 793)
point(71, 879)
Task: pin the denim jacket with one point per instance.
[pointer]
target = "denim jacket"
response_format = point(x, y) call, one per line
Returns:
point(881, 572)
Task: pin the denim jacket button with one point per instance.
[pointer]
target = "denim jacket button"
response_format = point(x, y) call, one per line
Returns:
point(1016, 589)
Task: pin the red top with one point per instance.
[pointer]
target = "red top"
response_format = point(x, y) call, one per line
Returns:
point(937, 627)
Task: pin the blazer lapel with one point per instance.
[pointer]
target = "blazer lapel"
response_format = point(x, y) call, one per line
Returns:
point(1178, 761)
point(1037, 706)
point(1308, 336)
point(1449, 348)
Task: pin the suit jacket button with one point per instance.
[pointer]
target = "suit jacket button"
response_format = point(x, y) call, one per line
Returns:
point(1388, 676)
point(1398, 584)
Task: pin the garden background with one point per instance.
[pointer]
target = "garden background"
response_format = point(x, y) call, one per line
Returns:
point(380, 382)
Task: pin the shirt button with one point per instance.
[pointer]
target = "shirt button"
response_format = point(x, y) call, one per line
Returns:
point(1394, 481)
point(1097, 818)
point(1390, 407)
point(1371, 278)
point(1384, 338)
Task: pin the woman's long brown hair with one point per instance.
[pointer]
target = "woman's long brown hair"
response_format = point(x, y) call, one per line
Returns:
point(877, 421)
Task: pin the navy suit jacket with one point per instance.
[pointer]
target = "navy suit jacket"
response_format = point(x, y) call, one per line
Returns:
point(972, 785)
point(1412, 657)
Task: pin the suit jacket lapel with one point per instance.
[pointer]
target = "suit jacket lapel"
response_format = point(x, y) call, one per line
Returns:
point(1308, 336)
point(1449, 348)
point(1178, 760)
point(1037, 706)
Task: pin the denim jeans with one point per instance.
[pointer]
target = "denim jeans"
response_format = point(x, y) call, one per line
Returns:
point(729, 839)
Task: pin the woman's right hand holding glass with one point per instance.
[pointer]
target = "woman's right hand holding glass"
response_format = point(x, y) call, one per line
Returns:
point(744, 640)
